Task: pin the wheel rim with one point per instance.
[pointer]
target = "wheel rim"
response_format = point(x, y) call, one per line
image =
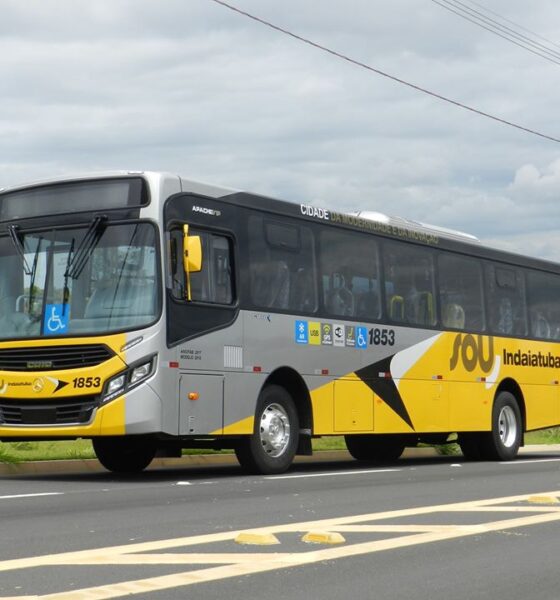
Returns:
point(507, 426)
point(275, 430)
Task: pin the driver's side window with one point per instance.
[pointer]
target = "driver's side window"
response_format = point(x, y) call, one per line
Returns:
point(213, 284)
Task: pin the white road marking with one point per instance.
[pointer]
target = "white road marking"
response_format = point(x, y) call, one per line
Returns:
point(525, 462)
point(31, 495)
point(333, 474)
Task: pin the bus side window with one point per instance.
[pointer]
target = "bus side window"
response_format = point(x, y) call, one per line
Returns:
point(350, 275)
point(339, 298)
point(214, 282)
point(506, 300)
point(543, 290)
point(460, 292)
point(270, 284)
point(221, 270)
point(302, 293)
point(409, 284)
point(281, 265)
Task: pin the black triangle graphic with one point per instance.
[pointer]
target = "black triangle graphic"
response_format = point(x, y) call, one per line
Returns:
point(60, 385)
point(385, 388)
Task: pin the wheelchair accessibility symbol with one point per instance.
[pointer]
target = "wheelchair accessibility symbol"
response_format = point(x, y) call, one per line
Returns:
point(361, 337)
point(56, 319)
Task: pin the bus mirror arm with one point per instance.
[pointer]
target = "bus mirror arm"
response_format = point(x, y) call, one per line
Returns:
point(192, 256)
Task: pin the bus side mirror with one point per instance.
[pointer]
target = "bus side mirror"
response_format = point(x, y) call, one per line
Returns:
point(192, 254)
point(192, 257)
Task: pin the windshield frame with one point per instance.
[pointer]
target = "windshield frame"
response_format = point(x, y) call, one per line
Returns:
point(83, 225)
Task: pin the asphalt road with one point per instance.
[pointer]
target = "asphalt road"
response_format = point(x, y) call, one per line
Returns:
point(421, 528)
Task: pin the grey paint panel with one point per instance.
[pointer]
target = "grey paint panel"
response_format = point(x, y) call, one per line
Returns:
point(201, 403)
point(271, 342)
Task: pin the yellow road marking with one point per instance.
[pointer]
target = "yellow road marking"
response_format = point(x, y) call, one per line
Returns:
point(544, 499)
point(323, 537)
point(256, 538)
point(234, 564)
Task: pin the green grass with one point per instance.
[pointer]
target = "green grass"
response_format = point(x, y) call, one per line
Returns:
point(6, 456)
point(329, 443)
point(545, 436)
point(15, 452)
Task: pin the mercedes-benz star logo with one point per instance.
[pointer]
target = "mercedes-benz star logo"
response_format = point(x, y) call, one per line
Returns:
point(38, 385)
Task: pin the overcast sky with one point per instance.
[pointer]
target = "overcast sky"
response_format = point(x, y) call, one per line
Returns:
point(191, 87)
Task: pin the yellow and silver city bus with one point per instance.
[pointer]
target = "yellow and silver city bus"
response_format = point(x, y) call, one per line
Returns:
point(150, 313)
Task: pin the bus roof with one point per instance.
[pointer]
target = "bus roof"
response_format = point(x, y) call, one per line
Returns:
point(417, 225)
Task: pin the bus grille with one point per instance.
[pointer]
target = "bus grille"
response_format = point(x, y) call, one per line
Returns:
point(51, 358)
point(26, 412)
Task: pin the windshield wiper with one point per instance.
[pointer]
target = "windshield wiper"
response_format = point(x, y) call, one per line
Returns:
point(89, 241)
point(31, 271)
point(66, 289)
point(33, 274)
point(18, 245)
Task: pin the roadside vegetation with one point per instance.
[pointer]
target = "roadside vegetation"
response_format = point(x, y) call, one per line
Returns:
point(15, 452)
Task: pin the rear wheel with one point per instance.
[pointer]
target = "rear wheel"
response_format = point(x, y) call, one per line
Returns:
point(272, 446)
point(125, 454)
point(502, 443)
point(375, 448)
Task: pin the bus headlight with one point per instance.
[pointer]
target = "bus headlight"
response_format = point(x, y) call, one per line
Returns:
point(141, 372)
point(128, 379)
point(116, 384)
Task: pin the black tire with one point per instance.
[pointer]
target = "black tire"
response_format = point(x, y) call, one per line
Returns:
point(502, 443)
point(375, 448)
point(272, 446)
point(126, 454)
point(471, 445)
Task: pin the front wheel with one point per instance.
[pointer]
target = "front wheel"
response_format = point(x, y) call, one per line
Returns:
point(125, 454)
point(272, 446)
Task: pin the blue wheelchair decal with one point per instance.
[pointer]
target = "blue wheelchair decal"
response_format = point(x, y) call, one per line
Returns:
point(361, 337)
point(56, 319)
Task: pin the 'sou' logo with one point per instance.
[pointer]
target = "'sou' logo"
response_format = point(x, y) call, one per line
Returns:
point(472, 353)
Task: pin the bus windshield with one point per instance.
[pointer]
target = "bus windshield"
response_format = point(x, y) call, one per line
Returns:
point(91, 279)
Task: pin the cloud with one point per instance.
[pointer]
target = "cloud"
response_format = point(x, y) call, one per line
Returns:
point(532, 183)
point(193, 88)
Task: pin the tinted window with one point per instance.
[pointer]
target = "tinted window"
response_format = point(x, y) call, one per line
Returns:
point(282, 265)
point(409, 284)
point(282, 235)
point(506, 300)
point(213, 284)
point(460, 292)
point(543, 290)
point(350, 275)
